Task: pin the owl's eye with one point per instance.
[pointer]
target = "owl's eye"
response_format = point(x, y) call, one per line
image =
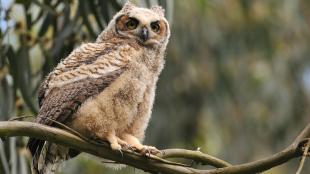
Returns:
point(155, 26)
point(132, 23)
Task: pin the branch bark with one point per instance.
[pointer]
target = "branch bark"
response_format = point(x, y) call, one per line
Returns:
point(153, 164)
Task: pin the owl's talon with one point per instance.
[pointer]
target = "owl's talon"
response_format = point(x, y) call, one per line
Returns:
point(125, 146)
point(138, 147)
point(121, 152)
point(116, 146)
point(149, 150)
point(129, 147)
point(132, 148)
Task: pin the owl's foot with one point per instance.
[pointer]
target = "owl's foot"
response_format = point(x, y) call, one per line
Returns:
point(125, 145)
point(137, 146)
point(147, 150)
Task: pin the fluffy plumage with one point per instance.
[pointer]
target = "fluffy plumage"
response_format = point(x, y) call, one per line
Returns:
point(105, 90)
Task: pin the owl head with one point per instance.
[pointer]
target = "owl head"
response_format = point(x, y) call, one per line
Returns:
point(148, 26)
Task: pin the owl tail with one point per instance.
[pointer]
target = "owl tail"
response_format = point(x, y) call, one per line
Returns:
point(49, 158)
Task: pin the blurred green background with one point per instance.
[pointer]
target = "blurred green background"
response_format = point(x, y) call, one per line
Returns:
point(236, 81)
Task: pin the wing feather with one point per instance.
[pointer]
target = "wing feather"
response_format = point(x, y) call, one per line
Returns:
point(86, 54)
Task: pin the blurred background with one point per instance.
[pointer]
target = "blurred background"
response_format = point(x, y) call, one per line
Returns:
point(236, 81)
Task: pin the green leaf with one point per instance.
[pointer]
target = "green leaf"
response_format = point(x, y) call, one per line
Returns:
point(117, 6)
point(96, 14)
point(20, 69)
point(83, 7)
point(38, 17)
point(6, 98)
point(55, 52)
point(24, 2)
point(4, 165)
point(45, 24)
point(105, 11)
point(45, 7)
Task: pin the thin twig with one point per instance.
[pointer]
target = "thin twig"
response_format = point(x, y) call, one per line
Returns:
point(303, 158)
point(197, 156)
point(21, 118)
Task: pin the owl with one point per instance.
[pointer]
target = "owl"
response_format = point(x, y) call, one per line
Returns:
point(105, 90)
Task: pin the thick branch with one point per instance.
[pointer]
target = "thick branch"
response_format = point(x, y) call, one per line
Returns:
point(19, 128)
point(153, 164)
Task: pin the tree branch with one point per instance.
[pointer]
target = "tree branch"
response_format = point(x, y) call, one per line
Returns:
point(194, 155)
point(152, 163)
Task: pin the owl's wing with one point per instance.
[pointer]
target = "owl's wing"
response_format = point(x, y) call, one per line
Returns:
point(68, 87)
point(61, 102)
point(84, 55)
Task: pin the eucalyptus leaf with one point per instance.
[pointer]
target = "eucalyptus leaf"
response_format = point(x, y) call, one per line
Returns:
point(83, 7)
point(20, 68)
point(116, 6)
point(104, 8)
point(24, 2)
point(45, 24)
point(59, 40)
point(95, 12)
point(6, 98)
point(4, 161)
point(44, 7)
point(13, 155)
point(23, 169)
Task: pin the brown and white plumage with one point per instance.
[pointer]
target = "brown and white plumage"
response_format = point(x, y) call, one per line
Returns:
point(105, 90)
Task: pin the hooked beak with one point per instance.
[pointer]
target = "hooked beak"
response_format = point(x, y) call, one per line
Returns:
point(144, 35)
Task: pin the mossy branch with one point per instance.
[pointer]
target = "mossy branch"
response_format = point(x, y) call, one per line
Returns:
point(154, 164)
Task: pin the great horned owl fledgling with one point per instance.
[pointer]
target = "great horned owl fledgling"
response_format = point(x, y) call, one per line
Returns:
point(105, 90)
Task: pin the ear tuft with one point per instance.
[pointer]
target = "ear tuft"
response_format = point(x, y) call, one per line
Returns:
point(128, 6)
point(159, 10)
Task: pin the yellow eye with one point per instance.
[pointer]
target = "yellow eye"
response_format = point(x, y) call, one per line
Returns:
point(155, 26)
point(132, 23)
